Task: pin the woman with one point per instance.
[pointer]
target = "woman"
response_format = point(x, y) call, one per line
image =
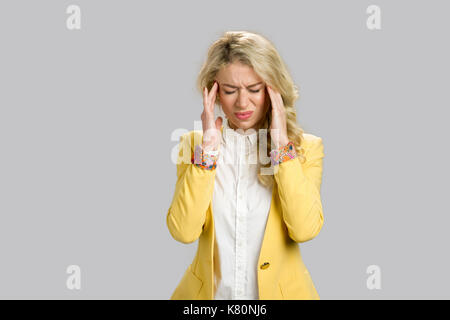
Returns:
point(249, 216)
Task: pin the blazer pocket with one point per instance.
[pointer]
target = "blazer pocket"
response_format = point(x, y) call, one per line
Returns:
point(281, 291)
point(298, 287)
point(292, 289)
point(189, 286)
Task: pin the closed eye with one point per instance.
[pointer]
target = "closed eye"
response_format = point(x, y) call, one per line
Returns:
point(253, 91)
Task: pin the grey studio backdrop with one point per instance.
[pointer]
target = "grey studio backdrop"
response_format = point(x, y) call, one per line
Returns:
point(86, 120)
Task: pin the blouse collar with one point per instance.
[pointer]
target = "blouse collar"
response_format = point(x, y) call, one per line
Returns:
point(250, 136)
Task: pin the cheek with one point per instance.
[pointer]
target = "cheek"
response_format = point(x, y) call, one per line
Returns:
point(227, 100)
point(261, 100)
point(227, 104)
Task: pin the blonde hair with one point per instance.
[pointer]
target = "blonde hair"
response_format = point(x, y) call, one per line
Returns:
point(255, 51)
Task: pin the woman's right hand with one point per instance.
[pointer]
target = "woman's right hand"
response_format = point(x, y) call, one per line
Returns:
point(211, 127)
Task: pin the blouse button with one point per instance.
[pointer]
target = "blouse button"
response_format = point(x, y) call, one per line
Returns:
point(265, 265)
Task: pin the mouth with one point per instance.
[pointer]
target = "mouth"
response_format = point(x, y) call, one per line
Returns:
point(243, 115)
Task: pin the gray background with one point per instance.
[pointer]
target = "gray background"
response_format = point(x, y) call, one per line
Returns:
point(86, 119)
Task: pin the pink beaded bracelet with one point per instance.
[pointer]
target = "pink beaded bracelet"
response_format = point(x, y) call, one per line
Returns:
point(283, 153)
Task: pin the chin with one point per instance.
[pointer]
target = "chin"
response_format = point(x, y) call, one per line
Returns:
point(246, 126)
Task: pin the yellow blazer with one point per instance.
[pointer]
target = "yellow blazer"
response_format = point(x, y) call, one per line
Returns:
point(295, 216)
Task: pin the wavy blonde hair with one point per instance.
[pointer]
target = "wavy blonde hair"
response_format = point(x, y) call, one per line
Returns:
point(255, 51)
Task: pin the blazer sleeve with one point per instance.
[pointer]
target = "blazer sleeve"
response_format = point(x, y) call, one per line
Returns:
point(299, 190)
point(193, 193)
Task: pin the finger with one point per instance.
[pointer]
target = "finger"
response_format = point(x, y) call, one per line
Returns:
point(205, 97)
point(273, 99)
point(278, 97)
point(212, 93)
point(280, 100)
point(269, 90)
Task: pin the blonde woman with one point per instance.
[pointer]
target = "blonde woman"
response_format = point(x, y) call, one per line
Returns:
point(249, 216)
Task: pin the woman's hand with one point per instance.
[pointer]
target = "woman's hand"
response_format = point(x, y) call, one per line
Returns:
point(211, 128)
point(278, 127)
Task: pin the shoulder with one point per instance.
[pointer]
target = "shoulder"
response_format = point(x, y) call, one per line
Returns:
point(310, 138)
point(312, 144)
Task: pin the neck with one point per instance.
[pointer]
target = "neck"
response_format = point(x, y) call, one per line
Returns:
point(255, 127)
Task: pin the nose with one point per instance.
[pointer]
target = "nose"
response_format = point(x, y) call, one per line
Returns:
point(242, 99)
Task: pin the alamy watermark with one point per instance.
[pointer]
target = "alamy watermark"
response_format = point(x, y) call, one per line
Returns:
point(234, 137)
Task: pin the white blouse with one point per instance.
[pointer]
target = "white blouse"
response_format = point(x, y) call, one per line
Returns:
point(240, 206)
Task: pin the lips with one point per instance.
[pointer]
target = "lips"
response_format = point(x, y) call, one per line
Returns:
point(243, 115)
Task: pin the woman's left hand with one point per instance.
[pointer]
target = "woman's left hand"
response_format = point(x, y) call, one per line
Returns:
point(278, 130)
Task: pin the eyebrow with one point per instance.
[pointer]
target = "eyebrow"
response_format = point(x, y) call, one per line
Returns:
point(231, 86)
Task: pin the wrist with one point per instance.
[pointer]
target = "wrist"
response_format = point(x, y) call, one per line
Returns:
point(283, 142)
point(204, 159)
point(283, 153)
point(206, 147)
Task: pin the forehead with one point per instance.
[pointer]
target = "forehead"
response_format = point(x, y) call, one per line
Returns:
point(237, 74)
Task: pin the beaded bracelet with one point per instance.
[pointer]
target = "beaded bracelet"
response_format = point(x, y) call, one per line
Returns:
point(283, 153)
point(204, 159)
